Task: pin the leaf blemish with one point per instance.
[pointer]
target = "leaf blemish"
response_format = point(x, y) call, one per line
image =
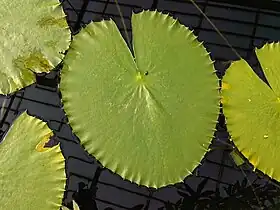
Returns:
point(52, 43)
point(51, 21)
point(35, 62)
point(225, 86)
point(41, 146)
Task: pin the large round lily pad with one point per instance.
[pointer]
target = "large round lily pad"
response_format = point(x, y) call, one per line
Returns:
point(148, 117)
point(31, 176)
point(252, 109)
point(33, 36)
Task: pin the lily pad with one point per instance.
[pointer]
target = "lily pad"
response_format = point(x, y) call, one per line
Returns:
point(252, 109)
point(33, 36)
point(31, 176)
point(147, 116)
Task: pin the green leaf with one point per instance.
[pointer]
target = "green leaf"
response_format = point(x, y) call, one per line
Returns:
point(75, 205)
point(149, 118)
point(238, 160)
point(252, 110)
point(31, 176)
point(33, 35)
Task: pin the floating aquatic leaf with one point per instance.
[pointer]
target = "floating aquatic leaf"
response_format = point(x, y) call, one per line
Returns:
point(252, 109)
point(75, 206)
point(149, 118)
point(31, 176)
point(33, 35)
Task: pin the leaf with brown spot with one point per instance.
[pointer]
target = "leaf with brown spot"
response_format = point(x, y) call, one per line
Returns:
point(32, 176)
point(31, 41)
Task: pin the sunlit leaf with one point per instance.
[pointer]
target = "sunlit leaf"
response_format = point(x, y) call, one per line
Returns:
point(31, 176)
point(33, 35)
point(149, 118)
point(252, 110)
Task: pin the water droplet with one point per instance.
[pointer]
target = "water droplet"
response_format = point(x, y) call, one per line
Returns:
point(265, 136)
point(249, 100)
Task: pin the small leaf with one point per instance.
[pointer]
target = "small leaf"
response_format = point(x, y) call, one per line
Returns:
point(238, 160)
point(75, 205)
